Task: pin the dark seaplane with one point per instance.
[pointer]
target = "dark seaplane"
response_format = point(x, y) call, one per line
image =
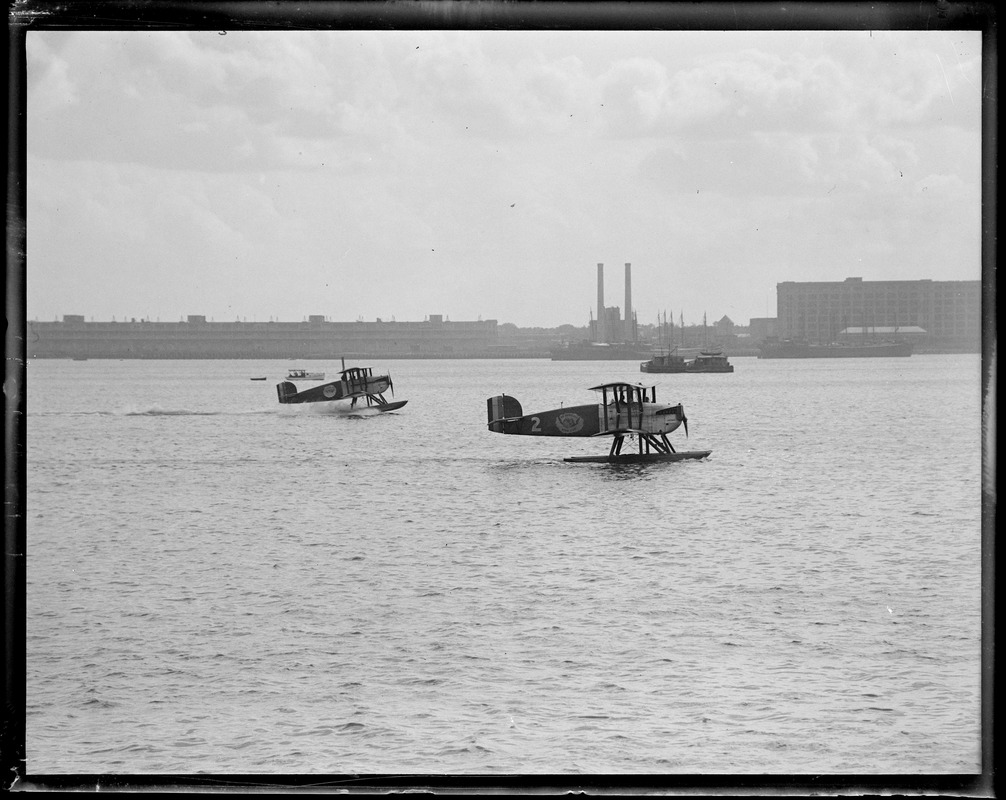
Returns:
point(626, 409)
point(354, 384)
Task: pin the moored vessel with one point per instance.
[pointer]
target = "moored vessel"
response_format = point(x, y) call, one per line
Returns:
point(600, 351)
point(790, 348)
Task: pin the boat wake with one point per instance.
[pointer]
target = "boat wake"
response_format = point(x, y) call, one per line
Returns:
point(330, 410)
point(157, 411)
point(313, 409)
point(169, 412)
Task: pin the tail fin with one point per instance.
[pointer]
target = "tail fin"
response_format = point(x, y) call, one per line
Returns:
point(285, 390)
point(500, 408)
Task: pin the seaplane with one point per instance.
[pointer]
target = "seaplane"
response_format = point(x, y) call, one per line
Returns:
point(625, 409)
point(354, 384)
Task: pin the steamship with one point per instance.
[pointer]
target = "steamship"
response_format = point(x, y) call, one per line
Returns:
point(788, 348)
point(600, 351)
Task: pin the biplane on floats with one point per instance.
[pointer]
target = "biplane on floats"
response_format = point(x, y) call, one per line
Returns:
point(625, 409)
point(354, 384)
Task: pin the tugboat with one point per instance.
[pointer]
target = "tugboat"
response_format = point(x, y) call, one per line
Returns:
point(665, 362)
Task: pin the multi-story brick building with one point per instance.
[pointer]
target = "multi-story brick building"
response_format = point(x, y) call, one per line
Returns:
point(948, 312)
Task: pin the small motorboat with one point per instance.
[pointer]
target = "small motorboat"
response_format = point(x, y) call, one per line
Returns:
point(304, 375)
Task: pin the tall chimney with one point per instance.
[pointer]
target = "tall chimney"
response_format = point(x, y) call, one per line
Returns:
point(628, 303)
point(600, 304)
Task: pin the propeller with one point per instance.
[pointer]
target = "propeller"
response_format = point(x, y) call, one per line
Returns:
point(684, 420)
point(391, 385)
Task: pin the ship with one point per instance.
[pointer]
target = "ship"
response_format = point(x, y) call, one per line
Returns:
point(710, 361)
point(791, 348)
point(664, 362)
point(600, 351)
point(705, 361)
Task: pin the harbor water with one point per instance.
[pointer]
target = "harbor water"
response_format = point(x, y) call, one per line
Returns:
point(220, 584)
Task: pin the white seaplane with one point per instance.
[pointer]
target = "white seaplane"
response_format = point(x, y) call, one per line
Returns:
point(625, 409)
point(354, 384)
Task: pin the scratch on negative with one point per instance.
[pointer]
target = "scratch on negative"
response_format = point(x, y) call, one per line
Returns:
point(946, 79)
point(25, 11)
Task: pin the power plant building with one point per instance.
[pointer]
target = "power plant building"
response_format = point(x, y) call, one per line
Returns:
point(610, 326)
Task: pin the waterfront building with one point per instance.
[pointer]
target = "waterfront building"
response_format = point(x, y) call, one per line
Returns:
point(762, 328)
point(948, 313)
point(434, 337)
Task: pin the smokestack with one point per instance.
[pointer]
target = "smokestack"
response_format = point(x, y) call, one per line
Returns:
point(600, 304)
point(628, 303)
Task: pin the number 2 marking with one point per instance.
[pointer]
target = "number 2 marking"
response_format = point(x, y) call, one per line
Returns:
point(535, 425)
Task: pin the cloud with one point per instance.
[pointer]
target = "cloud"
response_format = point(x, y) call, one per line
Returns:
point(485, 170)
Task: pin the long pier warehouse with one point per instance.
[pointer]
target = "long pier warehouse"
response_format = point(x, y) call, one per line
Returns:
point(434, 337)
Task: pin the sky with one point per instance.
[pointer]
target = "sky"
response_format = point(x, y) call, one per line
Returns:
point(482, 174)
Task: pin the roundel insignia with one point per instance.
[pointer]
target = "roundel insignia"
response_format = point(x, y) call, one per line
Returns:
point(569, 422)
point(328, 391)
